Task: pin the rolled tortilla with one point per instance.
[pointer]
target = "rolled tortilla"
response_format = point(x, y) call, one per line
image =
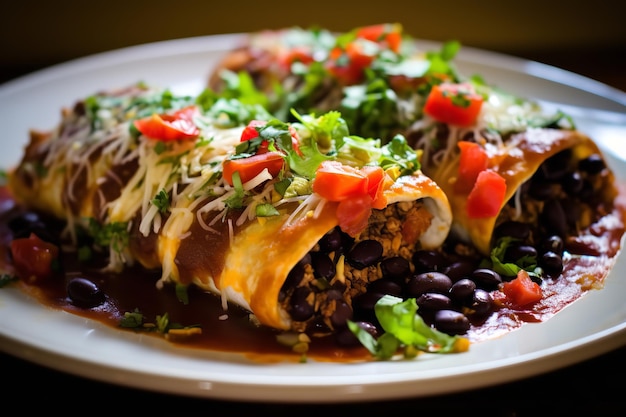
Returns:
point(112, 179)
point(256, 283)
point(521, 157)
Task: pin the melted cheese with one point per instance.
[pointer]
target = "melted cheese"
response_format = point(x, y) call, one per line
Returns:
point(184, 165)
point(188, 172)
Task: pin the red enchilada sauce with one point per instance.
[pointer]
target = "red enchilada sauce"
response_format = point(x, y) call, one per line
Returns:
point(232, 331)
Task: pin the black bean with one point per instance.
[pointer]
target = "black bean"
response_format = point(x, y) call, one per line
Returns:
point(428, 260)
point(553, 218)
point(593, 164)
point(24, 223)
point(342, 313)
point(365, 253)
point(344, 336)
point(551, 262)
point(433, 301)
point(462, 290)
point(516, 252)
point(84, 293)
point(573, 183)
point(300, 309)
point(395, 267)
point(295, 276)
point(557, 165)
point(486, 278)
point(554, 244)
point(482, 302)
point(323, 266)
point(428, 282)
point(317, 326)
point(30, 222)
point(459, 269)
point(543, 191)
point(386, 286)
point(451, 322)
point(367, 301)
point(331, 241)
point(514, 229)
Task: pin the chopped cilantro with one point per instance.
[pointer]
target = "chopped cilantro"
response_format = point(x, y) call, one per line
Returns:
point(162, 201)
point(132, 320)
point(162, 323)
point(236, 200)
point(114, 235)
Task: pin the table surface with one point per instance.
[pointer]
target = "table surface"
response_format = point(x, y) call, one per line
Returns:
point(594, 386)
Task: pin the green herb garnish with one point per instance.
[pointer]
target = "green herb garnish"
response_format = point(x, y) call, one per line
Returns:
point(405, 332)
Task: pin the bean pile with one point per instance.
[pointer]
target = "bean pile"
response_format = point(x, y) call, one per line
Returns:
point(451, 290)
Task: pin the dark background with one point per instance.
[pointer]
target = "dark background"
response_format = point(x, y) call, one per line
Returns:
point(585, 37)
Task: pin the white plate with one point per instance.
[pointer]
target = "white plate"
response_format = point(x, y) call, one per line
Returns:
point(591, 326)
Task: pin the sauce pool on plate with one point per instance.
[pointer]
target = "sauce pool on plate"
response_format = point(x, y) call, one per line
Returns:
point(232, 330)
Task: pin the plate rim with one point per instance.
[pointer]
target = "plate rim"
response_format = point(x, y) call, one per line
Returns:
point(596, 343)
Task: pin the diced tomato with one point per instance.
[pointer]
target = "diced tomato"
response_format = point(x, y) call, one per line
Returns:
point(166, 127)
point(344, 71)
point(357, 55)
point(252, 166)
point(375, 184)
point(456, 104)
point(301, 54)
point(353, 214)
point(335, 181)
point(388, 34)
point(356, 190)
point(33, 258)
point(487, 196)
point(522, 290)
point(336, 53)
point(473, 161)
point(348, 64)
point(251, 131)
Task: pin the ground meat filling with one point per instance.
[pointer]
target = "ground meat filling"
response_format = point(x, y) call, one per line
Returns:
point(318, 292)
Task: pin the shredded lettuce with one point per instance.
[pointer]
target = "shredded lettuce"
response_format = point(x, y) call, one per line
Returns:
point(405, 332)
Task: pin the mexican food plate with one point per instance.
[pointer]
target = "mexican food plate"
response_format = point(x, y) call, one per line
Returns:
point(591, 325)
